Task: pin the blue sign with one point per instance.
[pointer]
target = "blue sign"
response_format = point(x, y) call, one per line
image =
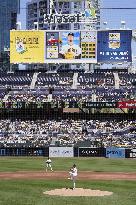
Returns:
point(115, 152)
point(114, 46)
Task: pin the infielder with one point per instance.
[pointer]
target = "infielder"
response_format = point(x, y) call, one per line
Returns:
point(48, 164)
point(73, 175)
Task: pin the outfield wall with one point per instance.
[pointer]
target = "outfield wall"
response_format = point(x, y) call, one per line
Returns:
point(109, 152)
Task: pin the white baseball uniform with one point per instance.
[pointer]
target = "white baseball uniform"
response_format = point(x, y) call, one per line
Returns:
point(48, 164)
point(73, 175)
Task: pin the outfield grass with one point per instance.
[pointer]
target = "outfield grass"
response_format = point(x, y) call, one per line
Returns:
point(30, 192)
point(83, 164)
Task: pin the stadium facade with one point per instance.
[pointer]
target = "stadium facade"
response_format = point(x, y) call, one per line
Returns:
point(37, 8)
point(8, 19)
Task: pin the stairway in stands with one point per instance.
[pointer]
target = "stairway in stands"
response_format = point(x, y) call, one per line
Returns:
point(117, 80)
point(75, 81)
point(34, 79)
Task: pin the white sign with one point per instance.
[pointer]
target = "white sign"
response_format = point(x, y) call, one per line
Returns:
point(68, 18)
point(63, 18)
point(61, 152)
point(133, 153)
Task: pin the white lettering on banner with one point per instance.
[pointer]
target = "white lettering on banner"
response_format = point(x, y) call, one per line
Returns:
point(130, 104)
point(61, 151)
point(133, 153)
point(113, 53)
point(89, 152)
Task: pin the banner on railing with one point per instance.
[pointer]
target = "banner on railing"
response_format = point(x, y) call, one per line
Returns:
point(130, 153)
point(61, 152)
point(127, 104)
point(115, 152)
point(91, 152)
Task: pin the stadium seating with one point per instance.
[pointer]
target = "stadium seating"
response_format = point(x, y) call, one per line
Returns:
point(41, 133)
point(102, 85)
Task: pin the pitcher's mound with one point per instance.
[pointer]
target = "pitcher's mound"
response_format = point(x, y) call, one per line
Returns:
point(77, 192)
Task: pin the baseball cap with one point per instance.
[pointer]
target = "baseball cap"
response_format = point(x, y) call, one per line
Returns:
point(72, 34)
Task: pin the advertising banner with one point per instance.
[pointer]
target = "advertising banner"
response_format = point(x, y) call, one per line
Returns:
point(92, 152)
point(19, 151)
point(100, 104)
point(115, 152)
point(53, 46)
point(71, 110)
point(70, 47)
point(130, 153)
point(67, 46)
point(61, 152)
point(26, 46)
point(127, 104)
point(114, 46)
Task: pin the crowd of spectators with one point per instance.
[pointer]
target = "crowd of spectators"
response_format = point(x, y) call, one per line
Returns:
point(102, 85)
point(99, 87)
point(41, 133)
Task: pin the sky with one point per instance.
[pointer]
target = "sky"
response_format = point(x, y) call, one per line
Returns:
point(113, 17)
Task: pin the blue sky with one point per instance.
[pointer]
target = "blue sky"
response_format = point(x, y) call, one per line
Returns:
point(113, 17)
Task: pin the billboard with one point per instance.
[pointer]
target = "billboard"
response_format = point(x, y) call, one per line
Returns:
point(91, 152)
point(61, 152)
point(133, 153)
point(26, 47)
point(114, 152)
point(70, 47)
point(67, 46)
point(114, 46)
point(53, 46)
point(99, 105)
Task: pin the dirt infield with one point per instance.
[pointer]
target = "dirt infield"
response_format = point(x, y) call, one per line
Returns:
point(85, 175)
point(77, 192)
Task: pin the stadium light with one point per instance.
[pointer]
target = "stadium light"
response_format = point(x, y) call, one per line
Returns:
point(36, 26)
point(105, 24)
point(123, 24)
point(18, 25)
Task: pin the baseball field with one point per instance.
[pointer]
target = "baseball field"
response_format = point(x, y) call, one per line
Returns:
point(23, 181)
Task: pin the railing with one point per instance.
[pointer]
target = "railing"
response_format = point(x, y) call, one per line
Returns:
point(109, 152)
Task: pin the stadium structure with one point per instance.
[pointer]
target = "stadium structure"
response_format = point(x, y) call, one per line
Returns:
point(75, 105)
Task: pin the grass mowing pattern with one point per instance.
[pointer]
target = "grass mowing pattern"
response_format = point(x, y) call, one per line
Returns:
point(8, 164)
point(30, 192)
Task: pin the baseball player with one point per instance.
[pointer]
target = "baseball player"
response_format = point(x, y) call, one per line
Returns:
point(48, 164)
point(73, 175)
point(70, 50)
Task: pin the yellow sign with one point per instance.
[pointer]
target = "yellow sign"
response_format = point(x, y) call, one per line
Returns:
point(26, 46)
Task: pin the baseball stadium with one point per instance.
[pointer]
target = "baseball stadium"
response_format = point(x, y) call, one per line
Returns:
point(40, 141)
point(67, 103)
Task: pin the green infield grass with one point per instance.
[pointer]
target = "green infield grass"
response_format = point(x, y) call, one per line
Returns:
point(63, 164)
point(30, 192)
